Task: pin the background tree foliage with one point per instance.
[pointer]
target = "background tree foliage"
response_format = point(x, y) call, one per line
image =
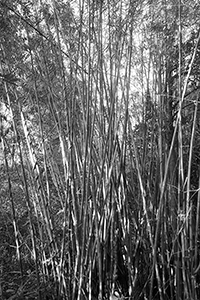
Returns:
point(99, 148)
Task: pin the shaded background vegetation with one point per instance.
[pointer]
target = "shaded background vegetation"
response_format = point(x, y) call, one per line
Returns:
point(99, 160)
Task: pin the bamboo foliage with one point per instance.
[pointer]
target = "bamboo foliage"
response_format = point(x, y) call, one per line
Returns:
point(110, 203)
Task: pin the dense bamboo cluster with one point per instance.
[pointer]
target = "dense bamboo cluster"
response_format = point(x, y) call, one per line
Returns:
point(100, 151)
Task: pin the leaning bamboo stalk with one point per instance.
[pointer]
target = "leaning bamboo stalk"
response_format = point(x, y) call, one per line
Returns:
point(190, 167)
point(14, 217)
point(180, 135)
point(196, 262)
point(14, 220)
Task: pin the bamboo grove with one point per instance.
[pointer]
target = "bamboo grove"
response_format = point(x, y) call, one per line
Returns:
point(100, 188)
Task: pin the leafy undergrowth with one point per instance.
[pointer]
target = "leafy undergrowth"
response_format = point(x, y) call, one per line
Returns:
point(13, 286)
